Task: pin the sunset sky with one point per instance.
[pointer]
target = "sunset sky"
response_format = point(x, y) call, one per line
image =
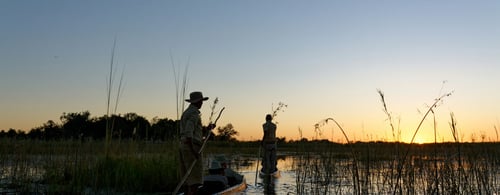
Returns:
point(321, 58)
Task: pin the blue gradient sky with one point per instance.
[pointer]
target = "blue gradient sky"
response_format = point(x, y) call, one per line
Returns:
point(322, 58)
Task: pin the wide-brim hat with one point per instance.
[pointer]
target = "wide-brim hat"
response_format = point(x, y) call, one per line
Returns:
point(221, 158)
point(196, 97)
point(215, 165)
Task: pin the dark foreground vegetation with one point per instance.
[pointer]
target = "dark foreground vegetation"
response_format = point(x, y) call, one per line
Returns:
point(132, 166)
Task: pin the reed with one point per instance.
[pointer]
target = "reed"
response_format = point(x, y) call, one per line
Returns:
point(180, 93)
point(389, 117)
point(280, 108)
point(359, 168)
point(180, 86)
point(397, 153)
point(418, 175)
point(496, 131)
point(73, 167)
point(397, 187)
point(110, 85)
point(108, 99)
point(68, 167)
point(355, 176)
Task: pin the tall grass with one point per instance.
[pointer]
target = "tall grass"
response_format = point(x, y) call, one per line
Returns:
point(397, 187)
point(496, 131)
point(355, 172)
point(73, 167)
point(180, 86)
point(180, 93)
point(397, 152)
point(68, 167)
point(109, 110)
point(108, 97)
point(328, 169)
point(397, 168)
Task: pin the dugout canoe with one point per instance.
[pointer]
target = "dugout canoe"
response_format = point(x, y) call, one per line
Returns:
point(235, 189)
point(231, 190)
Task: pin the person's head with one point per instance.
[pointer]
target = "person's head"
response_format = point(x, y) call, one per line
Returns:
point(196, 98)
point(269, 117)
point(224, 162)
point(215, 168)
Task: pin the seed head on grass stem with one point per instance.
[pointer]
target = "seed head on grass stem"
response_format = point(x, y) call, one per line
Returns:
point(496, 131)
point(212, 112)
point(403, 160)
point(453, 127)
point(436, 101)
point(281, 106)
point(356, 181)
point(389, 116)
point(317, 127)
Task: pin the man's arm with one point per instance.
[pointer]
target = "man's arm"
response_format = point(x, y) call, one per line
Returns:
point(264, 128)
point(189, 133)
point(189, 141)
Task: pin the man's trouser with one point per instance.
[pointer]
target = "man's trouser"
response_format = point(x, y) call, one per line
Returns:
point(186, 159)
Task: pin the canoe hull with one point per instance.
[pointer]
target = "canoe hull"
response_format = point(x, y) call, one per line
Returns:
point(235, 189)
point(275, 174)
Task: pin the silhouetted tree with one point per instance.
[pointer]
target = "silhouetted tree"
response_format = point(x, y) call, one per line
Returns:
point(138, 124)
point(281, 140)
point(52, 131)
point(21, 134)
point(97, 128)
point(75, 124)
point(80, 125)
point(35, 133)
point(226, 133)
point(163, 129)
point(11, 133)
point(119, 127)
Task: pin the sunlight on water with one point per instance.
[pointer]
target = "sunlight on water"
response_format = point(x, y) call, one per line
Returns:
point(341, 182)
point(285, 184)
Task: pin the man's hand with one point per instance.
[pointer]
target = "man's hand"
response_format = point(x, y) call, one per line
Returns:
point(207, 130)
point(210, 126)
point(196, 154)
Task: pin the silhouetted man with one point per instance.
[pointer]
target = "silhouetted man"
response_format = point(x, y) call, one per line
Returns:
point(269, 144)
point(191, 134)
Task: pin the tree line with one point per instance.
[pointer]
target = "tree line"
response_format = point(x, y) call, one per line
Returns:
point(80, 125)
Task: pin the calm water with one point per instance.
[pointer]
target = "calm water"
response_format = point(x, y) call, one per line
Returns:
point(340, 183)
point(285, 184)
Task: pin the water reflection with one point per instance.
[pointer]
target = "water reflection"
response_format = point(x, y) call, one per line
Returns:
point(315, 175)
point(266, 185)
point(269, 183)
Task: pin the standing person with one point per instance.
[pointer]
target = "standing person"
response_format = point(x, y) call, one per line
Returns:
point(269, 144)
point(191, 137)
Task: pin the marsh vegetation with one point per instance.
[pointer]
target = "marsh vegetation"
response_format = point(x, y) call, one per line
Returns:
point(445, 168)
point(148, 167)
